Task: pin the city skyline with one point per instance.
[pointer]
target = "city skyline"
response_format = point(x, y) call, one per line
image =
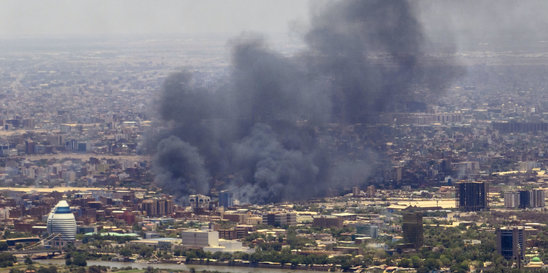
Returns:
point(268, 136)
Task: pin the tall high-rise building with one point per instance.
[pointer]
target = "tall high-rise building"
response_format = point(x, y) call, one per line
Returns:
point(225, 199)
point(161, 205)
point(532, 199)
point(511, 243)
point(356, 191)
point(538, 198)
point(157, 207)
point(169, 207)
point(412, 228)
point(61, 221)
point(150, 207)
point(511, 199)
point(525, 199)
point(371, 191)
point(472, 196)
point(30, 147)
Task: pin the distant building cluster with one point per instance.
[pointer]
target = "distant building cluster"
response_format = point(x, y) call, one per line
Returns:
point(74, 162)
point(525, 199)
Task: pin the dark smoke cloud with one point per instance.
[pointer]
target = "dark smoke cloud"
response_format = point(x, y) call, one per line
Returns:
point(180, 167)
point(277, 172)
point(264, 134)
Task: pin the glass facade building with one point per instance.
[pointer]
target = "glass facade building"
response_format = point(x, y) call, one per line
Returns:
point(61, 221)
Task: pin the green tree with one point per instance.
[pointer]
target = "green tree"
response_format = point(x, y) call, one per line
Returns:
point(146, 251)
point(79, 259)
point(445, 261)
point(460, 267)
point(95, 269)
point(51, 269)
point(432, 264)
point(7, 259)
point(404, 262)
point(126, 252)
point(416, 261)
point(28, 260)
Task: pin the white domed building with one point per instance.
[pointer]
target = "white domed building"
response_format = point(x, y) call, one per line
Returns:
point(61, 221)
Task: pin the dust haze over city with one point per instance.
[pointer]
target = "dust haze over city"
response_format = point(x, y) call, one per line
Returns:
point(355, 136)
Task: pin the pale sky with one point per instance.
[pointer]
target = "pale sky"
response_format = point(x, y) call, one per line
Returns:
point(20, 18)
point(461, 22)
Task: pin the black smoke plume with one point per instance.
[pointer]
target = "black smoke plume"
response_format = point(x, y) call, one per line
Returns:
point(271, 133)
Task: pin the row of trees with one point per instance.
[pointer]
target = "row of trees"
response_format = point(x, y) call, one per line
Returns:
point(284, 256)
point(7, 259)
point(446, 248)
point(76, 258)
point(43, 269)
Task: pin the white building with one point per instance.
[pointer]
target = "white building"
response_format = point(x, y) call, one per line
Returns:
point(200, 238)
point(61, 221)
point(230, 246)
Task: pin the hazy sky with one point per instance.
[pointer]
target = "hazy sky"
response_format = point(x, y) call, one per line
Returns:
point(459, 22)
point(93, 17)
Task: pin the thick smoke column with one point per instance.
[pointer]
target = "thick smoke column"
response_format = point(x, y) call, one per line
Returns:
point(180, 166)
point(262, 135)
